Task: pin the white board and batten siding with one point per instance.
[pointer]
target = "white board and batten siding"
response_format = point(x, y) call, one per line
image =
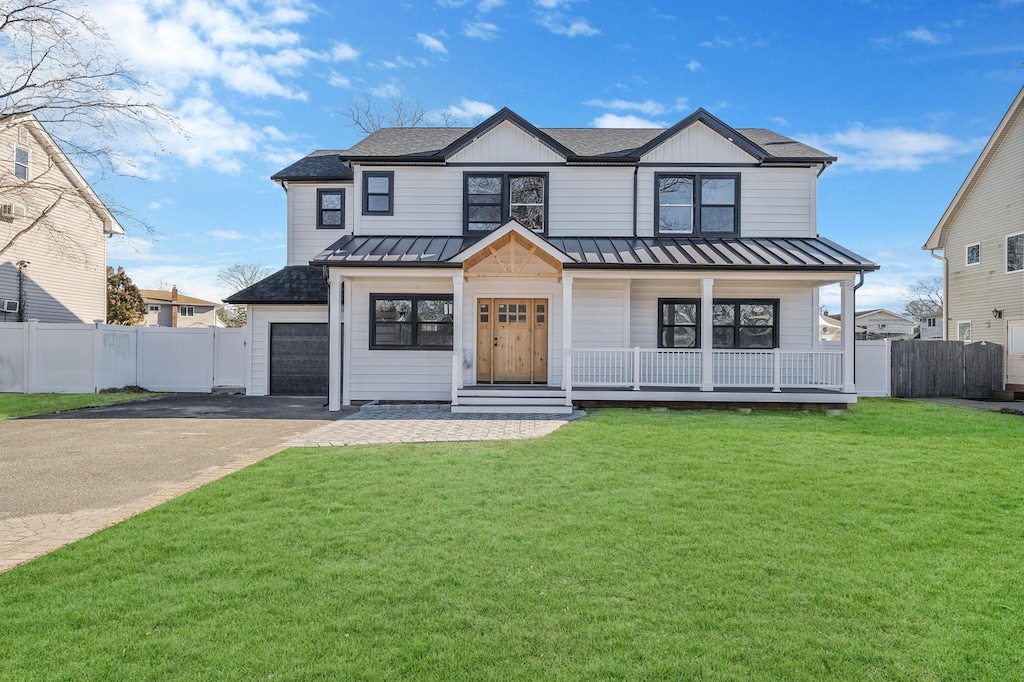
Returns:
point(697, 144)
point(993, 211)
point(304, 239)
point(506, 143)
point(260, 319)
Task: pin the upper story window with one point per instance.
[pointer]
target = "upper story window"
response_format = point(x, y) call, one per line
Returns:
point(21, 163)
point(974, 254)
point(379, 193)
point(1015, 252)
point(186, 311)
point(697, 203)
point(493, 198)
point(330, 209)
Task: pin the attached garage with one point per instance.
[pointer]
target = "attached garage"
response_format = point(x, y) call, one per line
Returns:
point(298, 358)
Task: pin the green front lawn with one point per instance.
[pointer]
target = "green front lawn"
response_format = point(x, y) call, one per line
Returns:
point(14, 405)
point(884, 544)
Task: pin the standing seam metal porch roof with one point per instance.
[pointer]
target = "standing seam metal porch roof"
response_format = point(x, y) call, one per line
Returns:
point(625, 253)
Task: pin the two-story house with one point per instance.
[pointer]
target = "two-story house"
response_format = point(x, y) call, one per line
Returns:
point(508, 267)
point(981, 237)
point(53, 228)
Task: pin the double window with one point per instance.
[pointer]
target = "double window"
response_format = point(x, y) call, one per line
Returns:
point(697, 203)
point(186, 311)
point(1015, 252)
point(153, 308)
point(21, 163)
point(745, 324)
point(407, 321)
point(379, 193)
point(493, 198)
point(330, 204)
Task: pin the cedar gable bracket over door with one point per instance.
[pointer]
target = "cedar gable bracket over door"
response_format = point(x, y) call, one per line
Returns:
point(512, 340)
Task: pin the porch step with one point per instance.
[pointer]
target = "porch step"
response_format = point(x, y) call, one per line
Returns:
point(512, 409)
point(512, 400)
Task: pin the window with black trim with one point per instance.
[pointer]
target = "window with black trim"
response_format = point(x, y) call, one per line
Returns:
point(493, 198)
point(21, 163)
point(411, 321)
point(679, 325)
point(744, 324)
point(1015, 252)
point(153, 308)
point(330, 209)
point(973, 254)
point(379, 193)
point(186, 311)
point(697, 203)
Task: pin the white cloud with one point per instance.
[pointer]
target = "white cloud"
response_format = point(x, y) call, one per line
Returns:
point(627, 121)
point(191, 279)
point(648, 106)
point(214, 136)
point(470, 111)
point(339, 81)
point(682, 104)
point(553, 4)
point(861, 148)
point(154, 205)
point(923, 35)
point(343, 52)
point(559, 25)
point(481, 30)
point(485, 6)
point(231, 235)
point(778, 120)
point(431, 44)
point(693, 65)
point(388, 90)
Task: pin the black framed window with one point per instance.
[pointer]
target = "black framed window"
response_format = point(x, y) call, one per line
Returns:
point(679, 323)
point(493, 198)
point(411, 321)
point(744, 324)
point(973, 254)
point(379, 193)
point(697, 203)
point(21, 163)
point(330, 205)
point(186, 311)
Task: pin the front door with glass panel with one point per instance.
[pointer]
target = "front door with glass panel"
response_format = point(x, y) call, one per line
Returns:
point(1015, 352)
point(512, 340)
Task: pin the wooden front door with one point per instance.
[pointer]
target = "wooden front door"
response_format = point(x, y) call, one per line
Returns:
point(512, 340)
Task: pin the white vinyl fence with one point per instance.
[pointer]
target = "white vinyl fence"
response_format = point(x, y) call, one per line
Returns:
point(40, 357)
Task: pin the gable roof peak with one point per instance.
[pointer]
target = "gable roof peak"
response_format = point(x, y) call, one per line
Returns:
point(501, 116)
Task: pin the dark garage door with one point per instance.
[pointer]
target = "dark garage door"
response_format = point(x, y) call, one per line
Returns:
point(298, 359)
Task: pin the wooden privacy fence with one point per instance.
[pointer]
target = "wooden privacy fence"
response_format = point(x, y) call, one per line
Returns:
point(945, 369)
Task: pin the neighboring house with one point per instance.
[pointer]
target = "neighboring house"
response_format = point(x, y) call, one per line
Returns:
point(507, 267)
point(880, 323)
point(830, 329)
point(56, 271)
point(931, 327)
point(171, 309)
point(981, 237)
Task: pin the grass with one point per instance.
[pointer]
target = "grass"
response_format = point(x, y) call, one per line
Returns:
point(884, 544)
point(14, 405)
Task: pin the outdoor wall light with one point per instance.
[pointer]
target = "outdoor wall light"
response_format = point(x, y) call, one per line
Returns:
point(997, 313)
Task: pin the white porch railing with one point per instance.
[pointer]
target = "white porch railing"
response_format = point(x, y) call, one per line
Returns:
point(775, 369)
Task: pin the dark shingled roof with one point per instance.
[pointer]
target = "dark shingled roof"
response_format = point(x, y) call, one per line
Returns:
point(323, 164)
point(627, 253)
point(292, 284)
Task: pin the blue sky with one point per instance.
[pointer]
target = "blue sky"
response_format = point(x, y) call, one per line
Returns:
point(904, 93)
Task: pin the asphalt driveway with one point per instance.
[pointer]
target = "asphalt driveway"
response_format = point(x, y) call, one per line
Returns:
point(66, 475)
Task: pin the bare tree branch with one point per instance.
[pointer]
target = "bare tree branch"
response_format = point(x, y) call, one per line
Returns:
point(923, 298)
point(369, 114)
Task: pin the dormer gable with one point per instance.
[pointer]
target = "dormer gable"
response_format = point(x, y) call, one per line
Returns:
point(506, 137)
point(701, 138)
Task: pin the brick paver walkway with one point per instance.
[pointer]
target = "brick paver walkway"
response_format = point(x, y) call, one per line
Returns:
point(380, 424)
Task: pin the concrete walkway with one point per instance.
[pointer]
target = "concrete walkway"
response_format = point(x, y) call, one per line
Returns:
point(382, 424)
point(988, 405)
point(66, 476)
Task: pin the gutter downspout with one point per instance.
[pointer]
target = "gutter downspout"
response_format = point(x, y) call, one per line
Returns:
point(636, 170)
point(945, 293)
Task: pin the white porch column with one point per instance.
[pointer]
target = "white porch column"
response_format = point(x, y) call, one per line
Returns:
point(334, 342)
point(849, 325)
point(707, 337)
point(566, 328)
point(346, 343)
point(458, 315)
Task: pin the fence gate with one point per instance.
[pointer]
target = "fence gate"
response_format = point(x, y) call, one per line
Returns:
point(945, 369)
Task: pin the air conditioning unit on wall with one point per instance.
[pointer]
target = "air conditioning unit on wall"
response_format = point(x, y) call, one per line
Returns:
point(11, 211)
point(9, 306)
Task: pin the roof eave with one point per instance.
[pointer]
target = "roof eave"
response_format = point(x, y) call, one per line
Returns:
point(494, 121)
point(707, 118)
